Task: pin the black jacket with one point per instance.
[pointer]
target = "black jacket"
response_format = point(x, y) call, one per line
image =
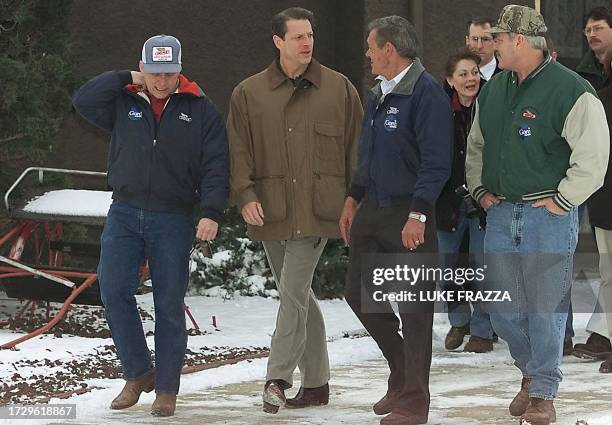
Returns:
point(600, 203)
point(171, 166)
point(591, 70)
point(448, 204)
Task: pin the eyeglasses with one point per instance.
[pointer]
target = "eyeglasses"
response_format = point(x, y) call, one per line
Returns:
point(594, 29)
point(484, 40)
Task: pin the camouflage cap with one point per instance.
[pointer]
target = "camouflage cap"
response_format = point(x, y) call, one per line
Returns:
point(520, 20)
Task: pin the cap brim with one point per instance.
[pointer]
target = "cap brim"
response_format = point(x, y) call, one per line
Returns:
point(495, 30)
point(161, 68)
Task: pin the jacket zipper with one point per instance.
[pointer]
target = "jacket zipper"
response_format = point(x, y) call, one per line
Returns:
point(155, 133)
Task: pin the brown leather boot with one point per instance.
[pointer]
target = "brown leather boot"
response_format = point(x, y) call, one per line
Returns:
point(397, 418)
point(454, 337)
point(386, 404)
point(305, 397)
point(164, 404)
point(130, 393)
point(274, 395)
point(477, 344)
point(519, 404)
point(540, 412)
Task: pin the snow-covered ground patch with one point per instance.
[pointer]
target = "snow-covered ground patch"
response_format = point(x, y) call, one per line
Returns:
point(466, 388)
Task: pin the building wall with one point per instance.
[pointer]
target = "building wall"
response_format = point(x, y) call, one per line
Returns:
point(445, 26)
point(223, 42)
point(226, 41)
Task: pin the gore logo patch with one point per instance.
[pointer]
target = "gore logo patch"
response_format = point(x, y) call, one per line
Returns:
point(524, 131)
point(135, 114)
point(390, 123)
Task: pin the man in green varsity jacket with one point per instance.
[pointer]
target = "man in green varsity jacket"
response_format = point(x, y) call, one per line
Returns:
point(537, 149)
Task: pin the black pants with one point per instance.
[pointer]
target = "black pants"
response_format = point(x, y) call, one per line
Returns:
point(378, 230)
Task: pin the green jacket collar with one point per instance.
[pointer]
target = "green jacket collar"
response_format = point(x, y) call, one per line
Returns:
point(547, 60)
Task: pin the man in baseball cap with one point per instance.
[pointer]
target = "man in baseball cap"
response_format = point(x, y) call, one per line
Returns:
point(168, 153)
point(547, 147)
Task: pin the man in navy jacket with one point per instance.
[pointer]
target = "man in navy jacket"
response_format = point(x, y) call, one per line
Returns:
point(404, 160)
point(168, 153)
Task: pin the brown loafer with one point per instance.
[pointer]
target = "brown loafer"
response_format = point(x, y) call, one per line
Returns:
point(164, 404)
point(131, 391)
point(305, 397)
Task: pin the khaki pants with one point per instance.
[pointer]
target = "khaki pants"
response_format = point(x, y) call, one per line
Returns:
point(299, 338)
point(601, 320)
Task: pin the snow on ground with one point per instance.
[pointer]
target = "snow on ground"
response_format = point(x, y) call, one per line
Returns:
point(70, 202)
point(466, 388)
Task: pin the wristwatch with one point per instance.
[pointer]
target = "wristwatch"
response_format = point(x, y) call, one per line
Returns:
point(417, 216)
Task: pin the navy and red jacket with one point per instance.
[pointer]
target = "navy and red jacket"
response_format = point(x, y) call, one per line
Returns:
point(169, 166)
point(406, 144)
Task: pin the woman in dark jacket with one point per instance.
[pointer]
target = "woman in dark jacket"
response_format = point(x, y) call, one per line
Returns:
point(599, 206)
point(459, 219)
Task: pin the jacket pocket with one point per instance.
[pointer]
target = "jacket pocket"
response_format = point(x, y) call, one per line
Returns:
point(271, 192)
point(328, 196)
point(329, 148)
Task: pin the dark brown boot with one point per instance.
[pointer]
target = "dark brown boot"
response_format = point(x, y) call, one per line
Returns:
point(397, 418)
point(606, 366)
point(597, 347)
point(519, 404)
point(477, 344)
point(305, 397)
point(454, 337)
point(274, 395)
point(540, 412)
point(386, 404)
point(164, 404)
point(130, 393)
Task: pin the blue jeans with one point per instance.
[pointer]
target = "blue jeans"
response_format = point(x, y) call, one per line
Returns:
point(459, 314)
point(130, 237)
point(529, 252)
